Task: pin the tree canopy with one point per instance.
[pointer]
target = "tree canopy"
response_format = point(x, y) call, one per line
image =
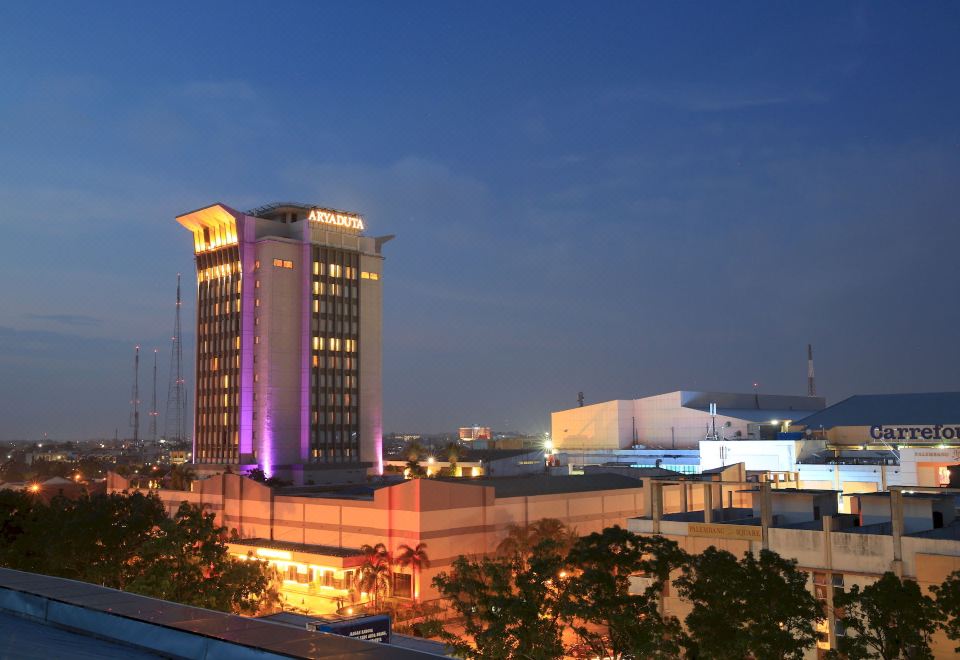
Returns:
point(889, 619)
point(128, 542)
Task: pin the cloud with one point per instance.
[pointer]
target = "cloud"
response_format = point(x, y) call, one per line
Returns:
point(710, 98)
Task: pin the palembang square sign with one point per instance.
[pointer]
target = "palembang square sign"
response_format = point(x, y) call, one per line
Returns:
point(337, 219)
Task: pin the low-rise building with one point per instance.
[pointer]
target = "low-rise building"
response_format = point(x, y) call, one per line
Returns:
point(313, 535)
point(913, 534)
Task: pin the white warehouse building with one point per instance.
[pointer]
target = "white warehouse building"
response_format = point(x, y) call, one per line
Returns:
point(678, 420)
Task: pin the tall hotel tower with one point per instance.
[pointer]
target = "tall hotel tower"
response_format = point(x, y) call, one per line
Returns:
point(288, 342)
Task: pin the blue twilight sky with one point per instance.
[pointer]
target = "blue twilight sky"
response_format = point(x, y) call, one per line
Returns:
point(618, 198)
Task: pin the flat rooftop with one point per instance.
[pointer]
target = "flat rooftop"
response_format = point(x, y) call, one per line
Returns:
point(542, 484)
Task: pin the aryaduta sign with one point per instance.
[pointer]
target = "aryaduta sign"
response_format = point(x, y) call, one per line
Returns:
point(337, 219)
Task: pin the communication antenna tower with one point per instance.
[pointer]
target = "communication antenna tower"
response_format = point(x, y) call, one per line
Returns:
point(154, 413)
point(135, 400)
point(176, 392)
point(811, 384)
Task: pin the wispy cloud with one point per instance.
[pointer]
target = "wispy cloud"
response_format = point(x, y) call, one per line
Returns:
point(714, 98)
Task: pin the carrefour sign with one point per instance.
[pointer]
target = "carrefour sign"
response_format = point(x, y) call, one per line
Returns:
point(913, 433)
point(336, 219)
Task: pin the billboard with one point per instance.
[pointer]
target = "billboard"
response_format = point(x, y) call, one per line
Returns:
point(367, 628)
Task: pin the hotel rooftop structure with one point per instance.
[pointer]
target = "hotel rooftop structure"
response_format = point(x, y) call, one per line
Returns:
point(288, 361)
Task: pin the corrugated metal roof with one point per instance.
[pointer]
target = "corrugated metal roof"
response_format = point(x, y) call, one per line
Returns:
point(888, 409)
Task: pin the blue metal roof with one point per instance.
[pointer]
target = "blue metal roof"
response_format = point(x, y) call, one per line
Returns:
point(888, 409)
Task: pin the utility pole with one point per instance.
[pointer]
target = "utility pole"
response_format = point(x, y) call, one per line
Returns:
point(811, 385)
point(154, 413)
point(135, 401)
point(176, 392)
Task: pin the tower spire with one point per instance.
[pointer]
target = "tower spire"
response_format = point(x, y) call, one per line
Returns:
point(811, 384)
point(176, 393)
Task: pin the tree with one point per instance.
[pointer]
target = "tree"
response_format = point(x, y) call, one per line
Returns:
point(521, 539)
point(767, 611)
point(417, 559)
point(128, 542)
point(948, 602)
point(373, 576)
point(889, 619)
point(181, 476)
point(510, 607)
point(453, 457)
point(602, 611)
point(414, 451)
point(187, 561)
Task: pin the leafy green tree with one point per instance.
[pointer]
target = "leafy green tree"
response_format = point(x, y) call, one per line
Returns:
point(128, 542)
point(948, 602)
point(602, 611)
point(187, 561)
point(511, 608)
point(755, 607)
point(889, 619)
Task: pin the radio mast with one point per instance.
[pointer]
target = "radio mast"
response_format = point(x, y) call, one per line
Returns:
point(811, 385)
point(154, 413)
point(176, 392)
point(135, 400)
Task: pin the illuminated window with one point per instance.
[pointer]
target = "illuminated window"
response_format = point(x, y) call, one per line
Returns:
point(316, 343)
point(257, 285)
point(256, 302)
point(288, 264)
point(316, 306)
point(364, 275)
point(374, 276)
point(335, 270)
point(316, 360)
point(256, 340)
point(278, 263)
point(236, 342)
point(316, 267)
point(316, 288)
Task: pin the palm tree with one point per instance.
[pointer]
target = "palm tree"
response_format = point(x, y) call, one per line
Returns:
point(181, 476)
point(417, 559)
point(553, 530)
point(414, 449)
point(522, 539)
point(516, 542)
point(453, 457)
point(373, 576)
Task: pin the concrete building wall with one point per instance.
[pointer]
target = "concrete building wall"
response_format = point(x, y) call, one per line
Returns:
point(278, 359)
point(371, 361)
point(598, 426)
